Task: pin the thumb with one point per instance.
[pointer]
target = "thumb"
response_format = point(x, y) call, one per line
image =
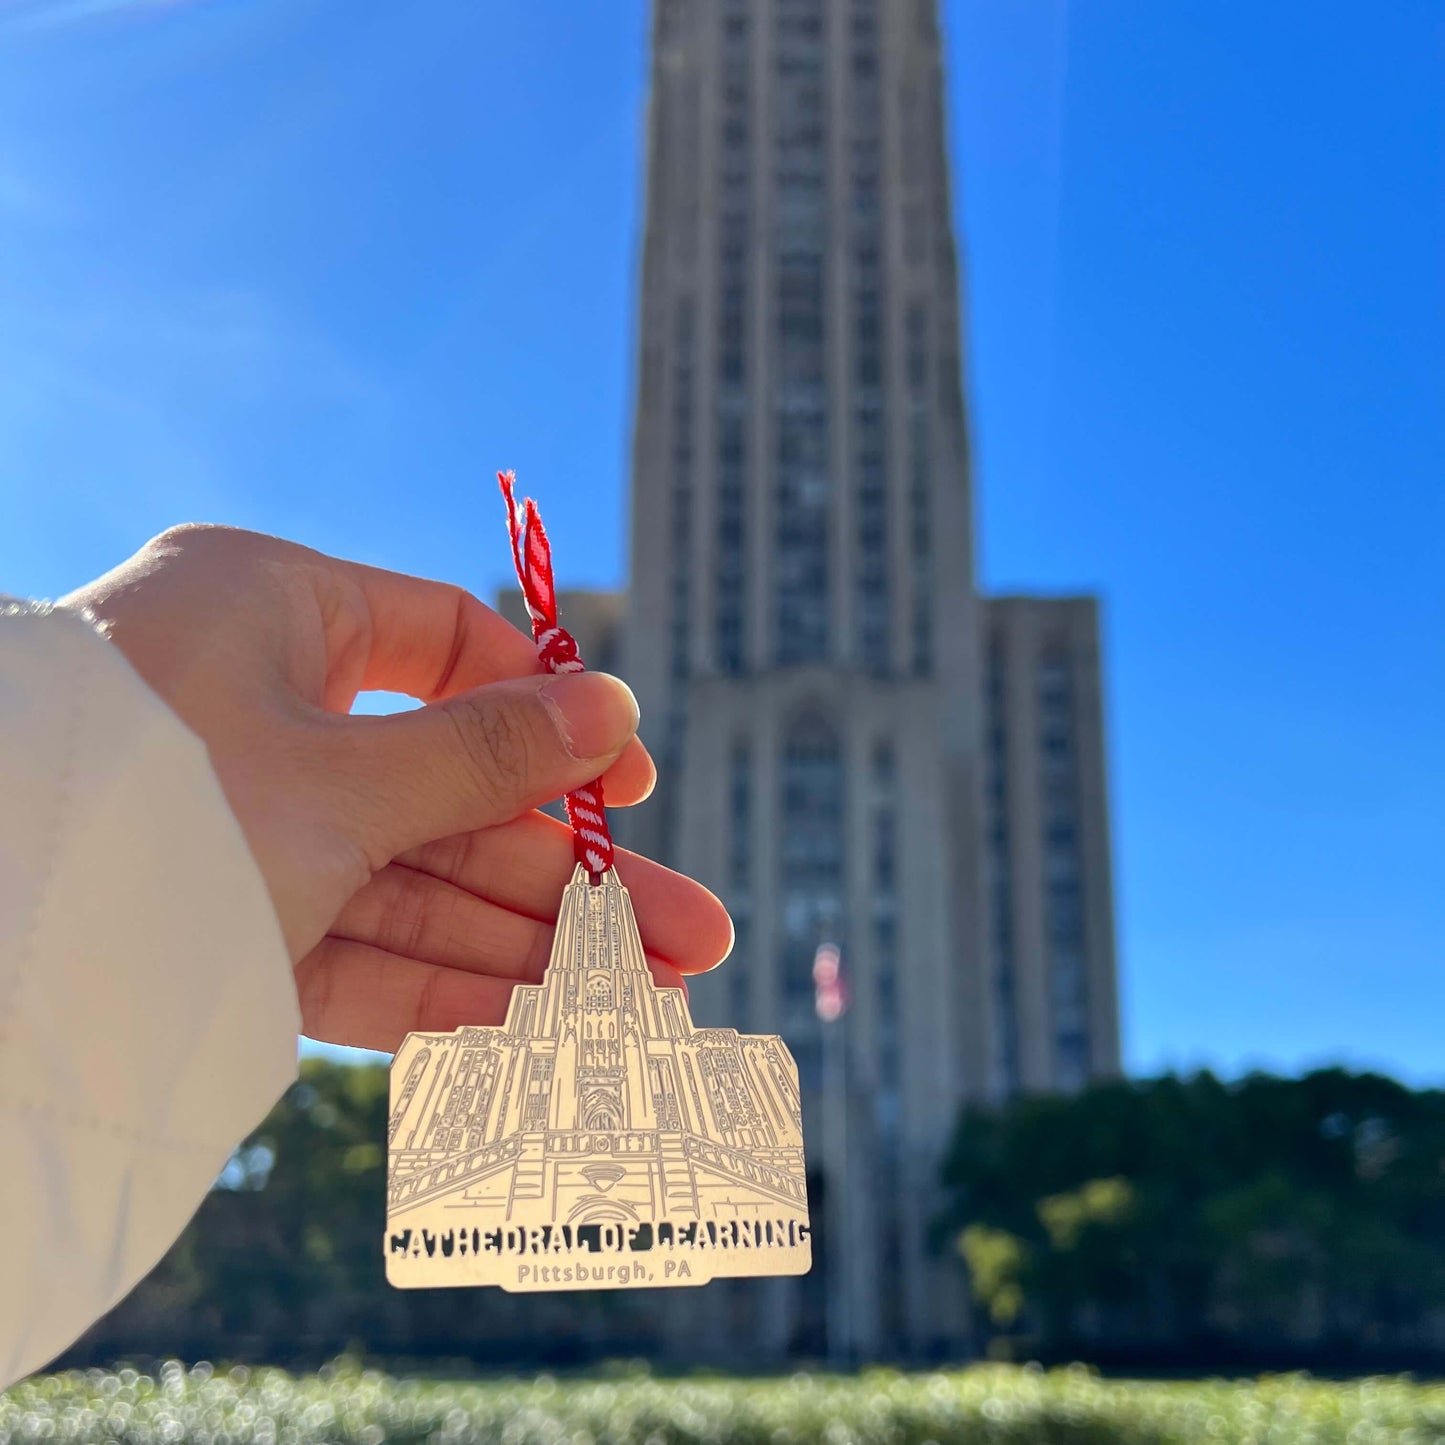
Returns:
point(482, 757)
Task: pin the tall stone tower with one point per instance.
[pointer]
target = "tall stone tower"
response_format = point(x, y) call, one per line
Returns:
point(806, 639)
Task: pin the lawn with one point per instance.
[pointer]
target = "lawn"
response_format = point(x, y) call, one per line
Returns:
point(995, 1404)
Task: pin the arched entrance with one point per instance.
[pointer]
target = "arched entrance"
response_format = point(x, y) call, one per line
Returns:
point(601, 1110)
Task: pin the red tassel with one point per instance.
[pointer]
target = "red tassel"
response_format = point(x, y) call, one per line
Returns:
point(532, 557)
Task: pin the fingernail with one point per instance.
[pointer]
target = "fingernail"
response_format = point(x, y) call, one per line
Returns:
point(594, 713)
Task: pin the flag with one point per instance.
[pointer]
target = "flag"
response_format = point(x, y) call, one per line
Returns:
point(830, 993)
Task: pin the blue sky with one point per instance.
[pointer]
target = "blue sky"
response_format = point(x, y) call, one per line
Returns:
point(317, 267)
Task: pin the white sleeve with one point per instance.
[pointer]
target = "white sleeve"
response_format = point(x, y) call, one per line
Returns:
point(148, 1015)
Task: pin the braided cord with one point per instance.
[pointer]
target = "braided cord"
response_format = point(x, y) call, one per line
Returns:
point(532, 554)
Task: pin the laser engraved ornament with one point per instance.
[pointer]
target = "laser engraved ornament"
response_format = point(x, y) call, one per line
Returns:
point(597, 1139)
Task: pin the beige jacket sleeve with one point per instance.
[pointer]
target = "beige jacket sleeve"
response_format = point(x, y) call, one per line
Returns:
point(148, 1016)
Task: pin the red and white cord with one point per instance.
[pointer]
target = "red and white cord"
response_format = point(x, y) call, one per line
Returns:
point(532, 554)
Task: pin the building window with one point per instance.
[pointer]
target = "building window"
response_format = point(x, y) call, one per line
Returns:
point(921, 538)
point(740, 810)
point(801, 541)
point(811, 856)
point(1005, 1080)
point(885, 851)
point(731, 544)
point(1071, 1053)
point(682, 444)
point(872, 608)
point(812, 853)
point(885, 926)
point(802, 466)
point(735, 24)
point(1062, 870)
point(806, 1048)
point(885, 764)
point(740, 971)
point(539, 1090)
point(917, 349)
point(729, 622)
point(885, 968)
point(680, 528)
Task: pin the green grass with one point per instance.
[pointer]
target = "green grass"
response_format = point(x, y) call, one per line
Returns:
point(995, 1404)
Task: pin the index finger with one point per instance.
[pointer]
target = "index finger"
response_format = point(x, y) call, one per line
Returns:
point(430, 640)
point(525, 864)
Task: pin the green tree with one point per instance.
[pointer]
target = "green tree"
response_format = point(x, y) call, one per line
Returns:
point(283, 1262)
point(1267, 1213)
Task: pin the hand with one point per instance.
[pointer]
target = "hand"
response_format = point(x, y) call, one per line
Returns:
point(414, 882)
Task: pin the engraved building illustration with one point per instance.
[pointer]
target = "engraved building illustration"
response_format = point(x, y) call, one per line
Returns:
point(596, 1107)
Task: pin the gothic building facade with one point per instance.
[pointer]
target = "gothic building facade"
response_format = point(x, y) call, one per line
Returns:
point(856, 745)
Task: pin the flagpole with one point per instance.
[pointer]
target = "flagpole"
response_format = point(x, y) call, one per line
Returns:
point(830, 999)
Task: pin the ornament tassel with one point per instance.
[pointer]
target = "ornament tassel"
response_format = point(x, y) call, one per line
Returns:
point(557, 648)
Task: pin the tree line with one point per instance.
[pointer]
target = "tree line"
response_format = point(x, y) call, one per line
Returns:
point(1190, 1220)
point(1177, 1222)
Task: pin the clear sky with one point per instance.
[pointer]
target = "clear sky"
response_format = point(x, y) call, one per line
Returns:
point(318, 266)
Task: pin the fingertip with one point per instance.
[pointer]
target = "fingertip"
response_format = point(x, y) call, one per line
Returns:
point(631, 779)
point(648, 772)
point(680, 918)
point(594, 713)
point(714, 934)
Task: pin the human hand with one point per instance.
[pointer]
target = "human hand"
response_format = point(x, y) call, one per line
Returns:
point(414, 881)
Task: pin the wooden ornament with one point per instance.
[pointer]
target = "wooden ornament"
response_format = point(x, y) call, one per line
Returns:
point(597, 1140)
